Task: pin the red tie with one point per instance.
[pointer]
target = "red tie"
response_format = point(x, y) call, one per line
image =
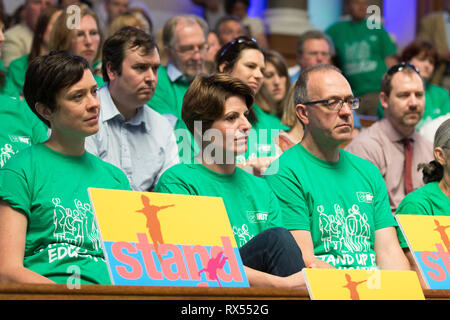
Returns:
point(408, 164)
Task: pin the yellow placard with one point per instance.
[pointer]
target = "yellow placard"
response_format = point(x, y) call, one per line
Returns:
point(121, 215)
point(340, 284)
point(424, 232)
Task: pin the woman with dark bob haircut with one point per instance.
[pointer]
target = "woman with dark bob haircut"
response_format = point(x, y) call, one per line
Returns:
point(243, 58)
point(47, 229)
point(215, 110)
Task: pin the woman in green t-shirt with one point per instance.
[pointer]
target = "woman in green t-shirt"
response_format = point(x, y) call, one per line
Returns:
point(215, 110)
point(434, 197)
point(47, 229)
point(244, 59)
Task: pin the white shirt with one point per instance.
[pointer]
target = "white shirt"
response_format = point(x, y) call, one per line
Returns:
point(143, 147)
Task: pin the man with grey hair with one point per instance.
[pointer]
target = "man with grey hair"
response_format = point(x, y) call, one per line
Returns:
point(184, 40)
point(334, 203)
point(185, 44)
point(313, 47)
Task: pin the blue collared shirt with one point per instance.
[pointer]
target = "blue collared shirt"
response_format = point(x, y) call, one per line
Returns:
point(143, 147)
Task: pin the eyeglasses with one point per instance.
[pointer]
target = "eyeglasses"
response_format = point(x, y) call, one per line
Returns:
point(402, 66)
point(189, 50)
point(238, 40)
point(336, 104)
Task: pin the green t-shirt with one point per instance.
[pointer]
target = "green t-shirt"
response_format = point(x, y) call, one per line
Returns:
point(15, 77)
point(250, 204)
point(20, 127)
point(341, 203)
point(168, 96)
point(427, 200)
point(50, 189)
point(360, 53)
point(261, 141)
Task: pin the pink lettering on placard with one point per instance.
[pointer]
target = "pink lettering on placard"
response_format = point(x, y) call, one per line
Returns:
point(117, 250)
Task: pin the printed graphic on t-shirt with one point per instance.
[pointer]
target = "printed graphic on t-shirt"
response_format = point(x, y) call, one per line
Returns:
point(243, 234)
point(345, 233)
point(358, 55)
point(7, 151)
point(75, 225)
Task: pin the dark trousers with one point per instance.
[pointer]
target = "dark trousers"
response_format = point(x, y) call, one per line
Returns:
point(273, 251)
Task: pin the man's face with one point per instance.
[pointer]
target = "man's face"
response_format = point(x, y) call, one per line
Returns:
point(230, 30)
point(137, 81)
point(189, 50)
point(358, 9)
point(115, 8)
point(405, 104)
point(315, 51)
point(326, 126)
point(33, 9)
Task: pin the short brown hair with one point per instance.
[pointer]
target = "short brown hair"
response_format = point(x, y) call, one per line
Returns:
point(205, 99)
point(418, 48)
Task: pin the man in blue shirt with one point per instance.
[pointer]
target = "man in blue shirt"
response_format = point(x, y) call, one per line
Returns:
point(132, 136)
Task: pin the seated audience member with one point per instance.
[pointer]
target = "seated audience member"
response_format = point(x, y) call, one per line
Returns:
point(109, 10)
point(288, 138)
point(276, 83)
point(335, 204)
point(315, 47)
point(215, 110)
point(40, 46)
point(44, 206)
point(244, 59)
point(424, 56)
point(428, 130)
point(392, 144)
point(185, 45)
point(363, 54)
point(434, 197)
point(255, 26)
point(229, 28)
point(86, 41)
point(132, 136)
point(20, 36)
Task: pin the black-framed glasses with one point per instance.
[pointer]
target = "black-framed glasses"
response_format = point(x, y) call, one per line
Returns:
point(402, 66)
point(336, 104)
point(238, 40)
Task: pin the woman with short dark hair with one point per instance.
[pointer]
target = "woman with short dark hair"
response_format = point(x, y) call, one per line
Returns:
point(47, 226)
point(215, 110)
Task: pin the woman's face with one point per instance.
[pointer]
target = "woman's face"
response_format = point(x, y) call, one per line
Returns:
point(77, 109)
point(275, 84)
point(233, 127)
point(87, 39)
point(425, 65)
point(249, 68)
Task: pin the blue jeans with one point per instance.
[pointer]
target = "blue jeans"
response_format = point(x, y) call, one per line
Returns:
point(273, 251)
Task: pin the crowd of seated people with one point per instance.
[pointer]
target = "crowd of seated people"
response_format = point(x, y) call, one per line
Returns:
point(94, 96)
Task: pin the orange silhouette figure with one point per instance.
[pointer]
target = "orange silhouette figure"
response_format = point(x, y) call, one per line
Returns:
point(352, 286)
point(214, 264)
point(153, 225)
point(444, 236)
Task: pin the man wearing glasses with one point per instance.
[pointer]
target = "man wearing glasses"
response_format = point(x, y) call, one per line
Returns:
point(392, 144)
point(334, 203)
point(185, 46)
